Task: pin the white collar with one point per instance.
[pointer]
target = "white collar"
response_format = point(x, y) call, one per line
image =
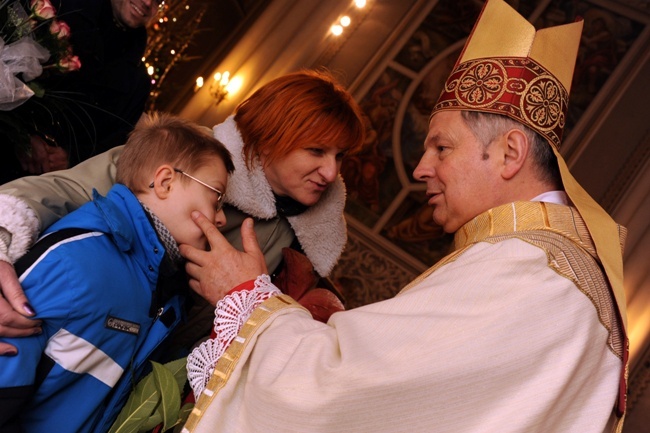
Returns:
point(557, 197)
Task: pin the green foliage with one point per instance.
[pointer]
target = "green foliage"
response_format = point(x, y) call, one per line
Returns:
point(183, 415)
point(155, 399)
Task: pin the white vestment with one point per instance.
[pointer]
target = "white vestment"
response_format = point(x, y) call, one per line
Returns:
point(515, 331)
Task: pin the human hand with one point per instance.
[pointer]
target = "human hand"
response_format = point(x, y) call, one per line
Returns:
point(12, 303)
point(213, 273)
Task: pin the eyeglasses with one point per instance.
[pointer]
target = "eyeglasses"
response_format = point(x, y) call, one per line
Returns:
point(220, 195)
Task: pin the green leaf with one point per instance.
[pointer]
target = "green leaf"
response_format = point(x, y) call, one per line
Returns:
point(179, 370)
point(138, 408)
point(38, 90)
point(170, 393)
point(183, 415)
point(156, 399)
point(155, 419)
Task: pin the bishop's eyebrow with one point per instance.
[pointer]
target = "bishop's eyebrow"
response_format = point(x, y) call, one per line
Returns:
point(431, 139)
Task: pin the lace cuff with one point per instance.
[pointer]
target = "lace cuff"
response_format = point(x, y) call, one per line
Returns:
point(230, 315)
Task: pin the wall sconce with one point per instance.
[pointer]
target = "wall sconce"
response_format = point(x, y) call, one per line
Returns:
point(219, 87)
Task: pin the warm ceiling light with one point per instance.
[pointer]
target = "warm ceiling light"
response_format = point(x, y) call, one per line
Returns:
point(360, 3)
point(345, 21)
point(336, 30)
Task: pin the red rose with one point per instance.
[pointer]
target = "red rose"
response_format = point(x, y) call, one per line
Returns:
point(69, 63)
point(60, 29)
point(43, 9)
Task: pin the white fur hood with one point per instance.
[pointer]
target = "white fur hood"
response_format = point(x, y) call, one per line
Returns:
point(321, 230)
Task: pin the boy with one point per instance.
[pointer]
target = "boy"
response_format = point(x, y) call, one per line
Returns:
point(108, 281)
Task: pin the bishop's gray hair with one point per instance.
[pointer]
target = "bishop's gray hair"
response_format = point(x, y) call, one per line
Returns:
point(486, 127)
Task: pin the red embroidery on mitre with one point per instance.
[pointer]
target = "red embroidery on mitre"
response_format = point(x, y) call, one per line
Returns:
point(518, 88)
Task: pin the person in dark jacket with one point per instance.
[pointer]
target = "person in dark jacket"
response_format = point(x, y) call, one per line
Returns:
point(99, 104)
point(108, 281)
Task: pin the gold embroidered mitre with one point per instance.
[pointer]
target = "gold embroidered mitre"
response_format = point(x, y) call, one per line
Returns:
point(506, 67)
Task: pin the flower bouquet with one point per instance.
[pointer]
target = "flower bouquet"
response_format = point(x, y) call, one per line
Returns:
point(33, 45)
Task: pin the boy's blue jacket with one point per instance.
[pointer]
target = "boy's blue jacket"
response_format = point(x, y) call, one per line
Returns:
point(107, 297)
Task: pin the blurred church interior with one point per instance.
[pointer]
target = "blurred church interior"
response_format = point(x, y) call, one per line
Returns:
point(394, 55)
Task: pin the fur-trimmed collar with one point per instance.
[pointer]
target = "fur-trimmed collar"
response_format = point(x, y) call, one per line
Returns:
point(321, 229)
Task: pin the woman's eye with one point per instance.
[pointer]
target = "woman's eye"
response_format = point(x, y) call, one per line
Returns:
point(315, 151)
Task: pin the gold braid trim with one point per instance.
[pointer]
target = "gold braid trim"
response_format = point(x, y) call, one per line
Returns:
point(228, 361)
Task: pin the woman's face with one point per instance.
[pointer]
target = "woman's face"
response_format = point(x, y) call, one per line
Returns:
point(305, 173)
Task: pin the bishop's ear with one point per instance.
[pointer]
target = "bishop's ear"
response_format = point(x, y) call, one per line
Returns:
point(515, 151)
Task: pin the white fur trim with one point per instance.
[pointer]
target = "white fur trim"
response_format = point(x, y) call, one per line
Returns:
point(321, 230)
point(22, 224)
point(248, 190)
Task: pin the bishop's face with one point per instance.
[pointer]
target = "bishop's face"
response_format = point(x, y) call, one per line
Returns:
point(461, 177)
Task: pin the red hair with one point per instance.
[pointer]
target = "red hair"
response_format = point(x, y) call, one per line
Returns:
point(298, 110)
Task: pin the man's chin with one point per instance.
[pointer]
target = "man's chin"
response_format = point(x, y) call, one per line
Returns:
point(444, 224)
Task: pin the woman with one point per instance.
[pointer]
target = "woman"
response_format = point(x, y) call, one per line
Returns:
point(287, 140)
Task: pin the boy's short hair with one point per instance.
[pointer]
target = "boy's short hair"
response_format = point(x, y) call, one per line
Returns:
point(161, 138)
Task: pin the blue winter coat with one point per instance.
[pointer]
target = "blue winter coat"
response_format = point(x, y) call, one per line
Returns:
point(107, 299)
